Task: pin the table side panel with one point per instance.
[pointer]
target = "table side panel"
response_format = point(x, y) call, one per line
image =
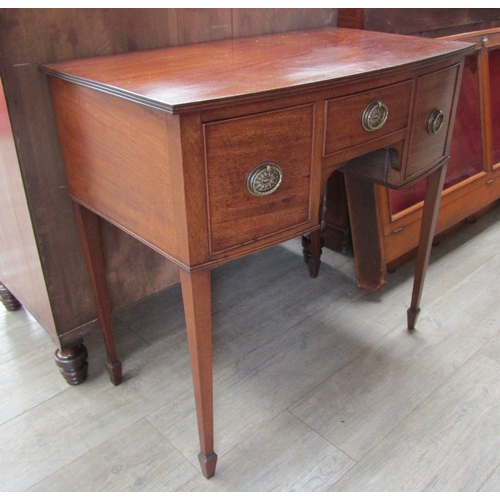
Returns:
point(116, 158)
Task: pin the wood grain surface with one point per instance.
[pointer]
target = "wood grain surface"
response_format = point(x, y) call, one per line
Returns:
point(179, 79)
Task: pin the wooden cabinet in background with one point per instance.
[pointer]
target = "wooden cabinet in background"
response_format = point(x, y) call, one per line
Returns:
point(41, 261)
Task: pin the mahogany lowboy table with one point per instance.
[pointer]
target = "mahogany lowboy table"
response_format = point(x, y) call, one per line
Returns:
point(212, 151)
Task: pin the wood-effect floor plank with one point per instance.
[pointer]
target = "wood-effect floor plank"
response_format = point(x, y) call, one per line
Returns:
point(450, 443)
point(284, 455)
point(34, 445)
point(97, 410)
point(21, 334)
point(361, 404)
point(29, 380)
point(136, 459)
point(493, 482)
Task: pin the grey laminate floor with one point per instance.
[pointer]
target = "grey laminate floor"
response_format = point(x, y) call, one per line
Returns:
point(318, 385)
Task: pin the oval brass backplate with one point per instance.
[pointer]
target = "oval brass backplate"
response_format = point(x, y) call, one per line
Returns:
point(435, 121)
point(374, 116)
point(264, 179)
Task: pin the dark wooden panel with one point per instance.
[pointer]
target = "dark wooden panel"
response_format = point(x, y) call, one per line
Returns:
point(351, 18)
point(437, 22)
point(249, 22)
point(141, 29)
point(47, 196)
point(337, 233)
point(203, 25)
point(20, 267)
point(30, 36)
point(139, 260)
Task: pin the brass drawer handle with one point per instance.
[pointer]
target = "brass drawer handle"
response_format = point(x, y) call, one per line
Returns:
point(435, 121)
point(374, 116)
point(264, 179)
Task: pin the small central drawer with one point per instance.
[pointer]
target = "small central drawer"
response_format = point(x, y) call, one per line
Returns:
point(258, 174)
point(362, 117)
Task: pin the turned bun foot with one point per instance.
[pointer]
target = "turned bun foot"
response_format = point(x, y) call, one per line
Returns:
point(72, 363)
point(8, 300)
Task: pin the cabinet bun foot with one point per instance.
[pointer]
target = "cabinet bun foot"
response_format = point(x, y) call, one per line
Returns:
point(72, 363)
point(8, 300)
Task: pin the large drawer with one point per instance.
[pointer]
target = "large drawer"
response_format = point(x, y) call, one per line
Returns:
point(248, 154)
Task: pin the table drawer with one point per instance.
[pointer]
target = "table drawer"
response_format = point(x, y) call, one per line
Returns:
point(362, 117)
point(431, 120)
point(258, 174)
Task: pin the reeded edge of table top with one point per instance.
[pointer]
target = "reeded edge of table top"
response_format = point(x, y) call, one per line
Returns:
point(193, 77)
